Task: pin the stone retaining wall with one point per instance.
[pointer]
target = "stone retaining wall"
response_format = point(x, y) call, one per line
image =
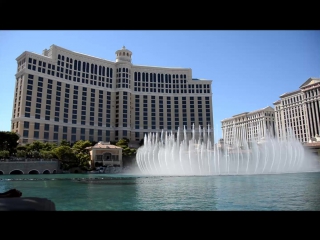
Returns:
point(30, 167)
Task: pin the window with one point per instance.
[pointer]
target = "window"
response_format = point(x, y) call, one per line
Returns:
point(25, 133)
point(46, 135)
point(36, 134)
point(26, 125)
point(55, 136)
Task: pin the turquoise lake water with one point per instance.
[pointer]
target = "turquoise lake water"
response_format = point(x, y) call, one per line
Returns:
point(125, 192)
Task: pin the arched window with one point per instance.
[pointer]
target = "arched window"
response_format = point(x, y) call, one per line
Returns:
point(59, 56)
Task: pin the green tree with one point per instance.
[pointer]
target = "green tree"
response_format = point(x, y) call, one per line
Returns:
point(126, 151)
point(21, 148)
point(48, 146)
point(83, 160)
point(66, 156)
point(21, 153)
point(46, 154)
point(80, 146)
point(65, 143)
point(35, 146)
point(63, 153)
point(35, 154)
point(4, 154)
point(8, 141)
point(122, 143)
point(82, 154)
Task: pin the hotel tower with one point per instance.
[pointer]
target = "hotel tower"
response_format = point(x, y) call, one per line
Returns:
point(299, 111)
point(249, 126)
point(63, 94)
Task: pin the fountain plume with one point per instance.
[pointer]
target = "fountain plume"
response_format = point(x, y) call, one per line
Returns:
point(168, 154)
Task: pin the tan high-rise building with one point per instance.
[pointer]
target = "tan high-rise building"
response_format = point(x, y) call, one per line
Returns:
point(248, 126)
point(299, 111)
point(63, 94)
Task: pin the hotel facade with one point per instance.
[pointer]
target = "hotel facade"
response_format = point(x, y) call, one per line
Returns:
point(248, 126)
point(63, 94)
point(299, 111)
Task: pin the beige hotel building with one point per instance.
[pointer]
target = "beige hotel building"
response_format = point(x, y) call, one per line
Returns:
point(63, 94)
point(299, 111)
point(248, 126)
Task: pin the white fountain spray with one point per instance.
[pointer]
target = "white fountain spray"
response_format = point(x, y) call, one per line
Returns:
point(178, 155)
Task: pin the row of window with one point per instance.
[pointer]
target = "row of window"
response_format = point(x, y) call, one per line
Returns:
point(160, 77)
point(76, 77)
point(85, 66)
point(138, 89)
point(85, 134)
point(99, 70)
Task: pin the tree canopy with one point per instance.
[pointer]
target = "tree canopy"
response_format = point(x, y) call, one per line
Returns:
point(8, 141)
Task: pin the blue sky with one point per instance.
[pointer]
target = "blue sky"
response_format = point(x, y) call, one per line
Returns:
point(249, 69)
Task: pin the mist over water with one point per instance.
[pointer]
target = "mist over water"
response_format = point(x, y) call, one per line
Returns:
point(166, 154)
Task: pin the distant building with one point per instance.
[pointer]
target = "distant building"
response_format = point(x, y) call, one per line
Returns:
point(248, 126)
point(299, 111)
point(105, 154)
point(63, 94)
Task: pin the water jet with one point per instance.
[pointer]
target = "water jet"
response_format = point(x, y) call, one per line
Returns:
point(167, 153)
